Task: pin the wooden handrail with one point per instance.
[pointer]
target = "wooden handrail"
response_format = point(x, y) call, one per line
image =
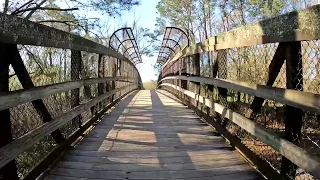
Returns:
point(299, 99)
point(15, 30)
point(19, 145)
point(294, 26)
point(295, 154)
point(15, 98)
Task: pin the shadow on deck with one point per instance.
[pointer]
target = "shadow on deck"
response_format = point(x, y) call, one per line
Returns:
point(149, 135)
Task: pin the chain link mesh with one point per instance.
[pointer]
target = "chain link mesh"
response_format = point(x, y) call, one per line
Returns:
point(47, 66)
point(251, 64)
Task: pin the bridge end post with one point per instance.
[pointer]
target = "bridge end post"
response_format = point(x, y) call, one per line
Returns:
point(9, 171)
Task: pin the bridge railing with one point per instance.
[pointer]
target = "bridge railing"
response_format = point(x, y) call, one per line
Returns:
point(258, 86)
point(53, 86)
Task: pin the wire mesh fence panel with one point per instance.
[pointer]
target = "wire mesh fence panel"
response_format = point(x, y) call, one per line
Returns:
point(265, 65)
point(252, 64)
point(40, 66)
point(27, 160)
point(43, 66)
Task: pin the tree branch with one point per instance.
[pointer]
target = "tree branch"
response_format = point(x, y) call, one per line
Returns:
point(27, 3)
point(56, 21)
point(45, 8)
point(33, 11)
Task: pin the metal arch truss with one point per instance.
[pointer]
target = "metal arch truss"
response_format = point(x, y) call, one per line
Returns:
point(123, 41)
point(173, 40)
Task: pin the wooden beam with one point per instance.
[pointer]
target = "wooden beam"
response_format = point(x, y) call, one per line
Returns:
point(235, 142)
point(26, 82)
point(293, 115)
point(222, 72)
point(195, 71)
point(55, 155)
point(303, 100)
point(86, 88)
point(76, 61)
point(293, 26)
point(15, 98)
point(113, 68)
point(19, 145)
point(295, 154)
point(9, 171)
point(15, 30)
point(101, 86)
point(299, 25)
point(274, 69)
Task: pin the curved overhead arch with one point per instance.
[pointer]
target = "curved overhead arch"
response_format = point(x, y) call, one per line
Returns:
point(170, 42)
point(172, 50)
point(164, 53)
point(123, 40)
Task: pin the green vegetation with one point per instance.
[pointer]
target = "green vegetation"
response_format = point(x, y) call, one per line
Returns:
point(150, 85)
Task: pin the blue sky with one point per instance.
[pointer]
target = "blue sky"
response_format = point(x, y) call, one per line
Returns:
point(146, 13)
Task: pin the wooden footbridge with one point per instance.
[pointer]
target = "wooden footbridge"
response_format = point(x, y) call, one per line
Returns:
point(240, 105)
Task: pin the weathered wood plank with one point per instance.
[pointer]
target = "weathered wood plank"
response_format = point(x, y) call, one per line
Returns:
point(145, 148)
point(138, 154)
point(294, 26)
point(15, 30)
point(155, 166)
point(9, 171)
point(238, 176)
point(170, 174)
point(42, 167)
point(12, 99)
point(295, 154)
point(293, 116)
point(196, 159)
point(12, 150)
point(304, 100)
point(121, 147)
point(76, 69)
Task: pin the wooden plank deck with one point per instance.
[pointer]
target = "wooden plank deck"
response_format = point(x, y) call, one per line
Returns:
point(152, 136)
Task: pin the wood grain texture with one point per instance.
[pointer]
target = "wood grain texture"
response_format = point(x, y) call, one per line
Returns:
point(15, 98)
point(19, 145)
point(15, 30)
point(295, 154)
point(151, 136)
point(293, 26)
point(304, 100)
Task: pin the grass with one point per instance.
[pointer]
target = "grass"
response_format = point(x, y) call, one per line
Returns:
point(150, 85)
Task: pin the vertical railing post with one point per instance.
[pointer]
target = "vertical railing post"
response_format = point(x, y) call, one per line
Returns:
point(101, 87)
point(83, 75)
point(9, 171)
point(219, 69)
point(195, 86)
point(75, 75)
point(222, 71)
point(212, 75)
point(293, 116)
point(180, 73)
point(113, 69)
point(107, 84)
point(184, 72)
